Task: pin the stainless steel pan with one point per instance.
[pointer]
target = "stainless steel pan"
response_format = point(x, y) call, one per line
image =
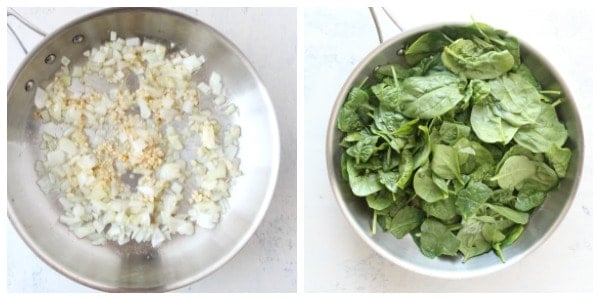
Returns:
point(405, 252)
point(138, 267)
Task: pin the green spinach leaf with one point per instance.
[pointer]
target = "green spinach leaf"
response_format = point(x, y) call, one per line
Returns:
point(445, 162)
point(381, 200)
point(443, 209)
point(518, 101)
point(362, 185)
point(363, 149)
point(547, 132)
point(407, 219)
point(425, 188)
point(515, 170)
point(509, 213)
point(427, 97)
point(452, 132)
point(559, 159)
point(472, 242)
point(470, 199)
point(489, 127)
point(437, 240)
point(528, 199)
point(464, 56)
point(426, 45)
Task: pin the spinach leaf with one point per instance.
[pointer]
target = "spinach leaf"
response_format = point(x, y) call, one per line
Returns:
point(422, 157)
point(528, 199)
point(526, 74)
point(472, 155)
point(343, 163)
point(489, 127)
point(380, 201)
point(388, 120)
point(480, 91)
point(349, 117)
point(348, 120)
point(445, 162)
point(518, 101)
point(466, 57)
point(513, 235)
point(509, 213)
point(362, 185)
point(519, 150)
point(547, 132)
point(405, 170)
point(514, 48)
point(426, 45)
point(503, 197)
point(407, 219)
point(491, 233)
point(515, 170)
point(388, 96)
point(472, 242)
point(470, 199)
point(559, 159)
point(443, 209)
point(389, 180)
point(407, 128)
point(363, 150)
point(543, 179)
point(451, 132)
point(437, 240)
point(389, 70)
point(427, 97)
point(424, 186)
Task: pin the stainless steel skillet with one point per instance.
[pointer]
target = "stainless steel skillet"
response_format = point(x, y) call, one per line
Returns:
point(138, 267)
point(404, 252)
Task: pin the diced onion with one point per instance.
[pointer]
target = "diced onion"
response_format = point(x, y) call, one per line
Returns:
point(40, 98)
point(120, 135)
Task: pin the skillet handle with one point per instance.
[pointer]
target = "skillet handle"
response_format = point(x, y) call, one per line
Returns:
point(11, 12)
point(376, 21)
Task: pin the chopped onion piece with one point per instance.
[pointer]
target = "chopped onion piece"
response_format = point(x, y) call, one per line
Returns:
point(40, 98)
point(133, 41)
point(193, 63)
point(215, 83)
point(65, 61)
point(169, 171)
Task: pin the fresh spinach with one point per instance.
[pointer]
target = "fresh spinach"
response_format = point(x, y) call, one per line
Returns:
point(437, 240)
point(427, 97)
point(490, 128)
point(559, 159)
point(425, 187)
point(457, 144)
point(470, 199)
point(426, 45)
point(466, 57)
point(545, 133)
point(514, 171)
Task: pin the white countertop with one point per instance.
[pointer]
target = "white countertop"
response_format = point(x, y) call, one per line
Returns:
point(335, 258)
point(268, 262)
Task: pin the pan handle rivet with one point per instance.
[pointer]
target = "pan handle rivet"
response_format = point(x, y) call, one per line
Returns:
point(50, 59)
point(29, 85)
point(78, 39)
